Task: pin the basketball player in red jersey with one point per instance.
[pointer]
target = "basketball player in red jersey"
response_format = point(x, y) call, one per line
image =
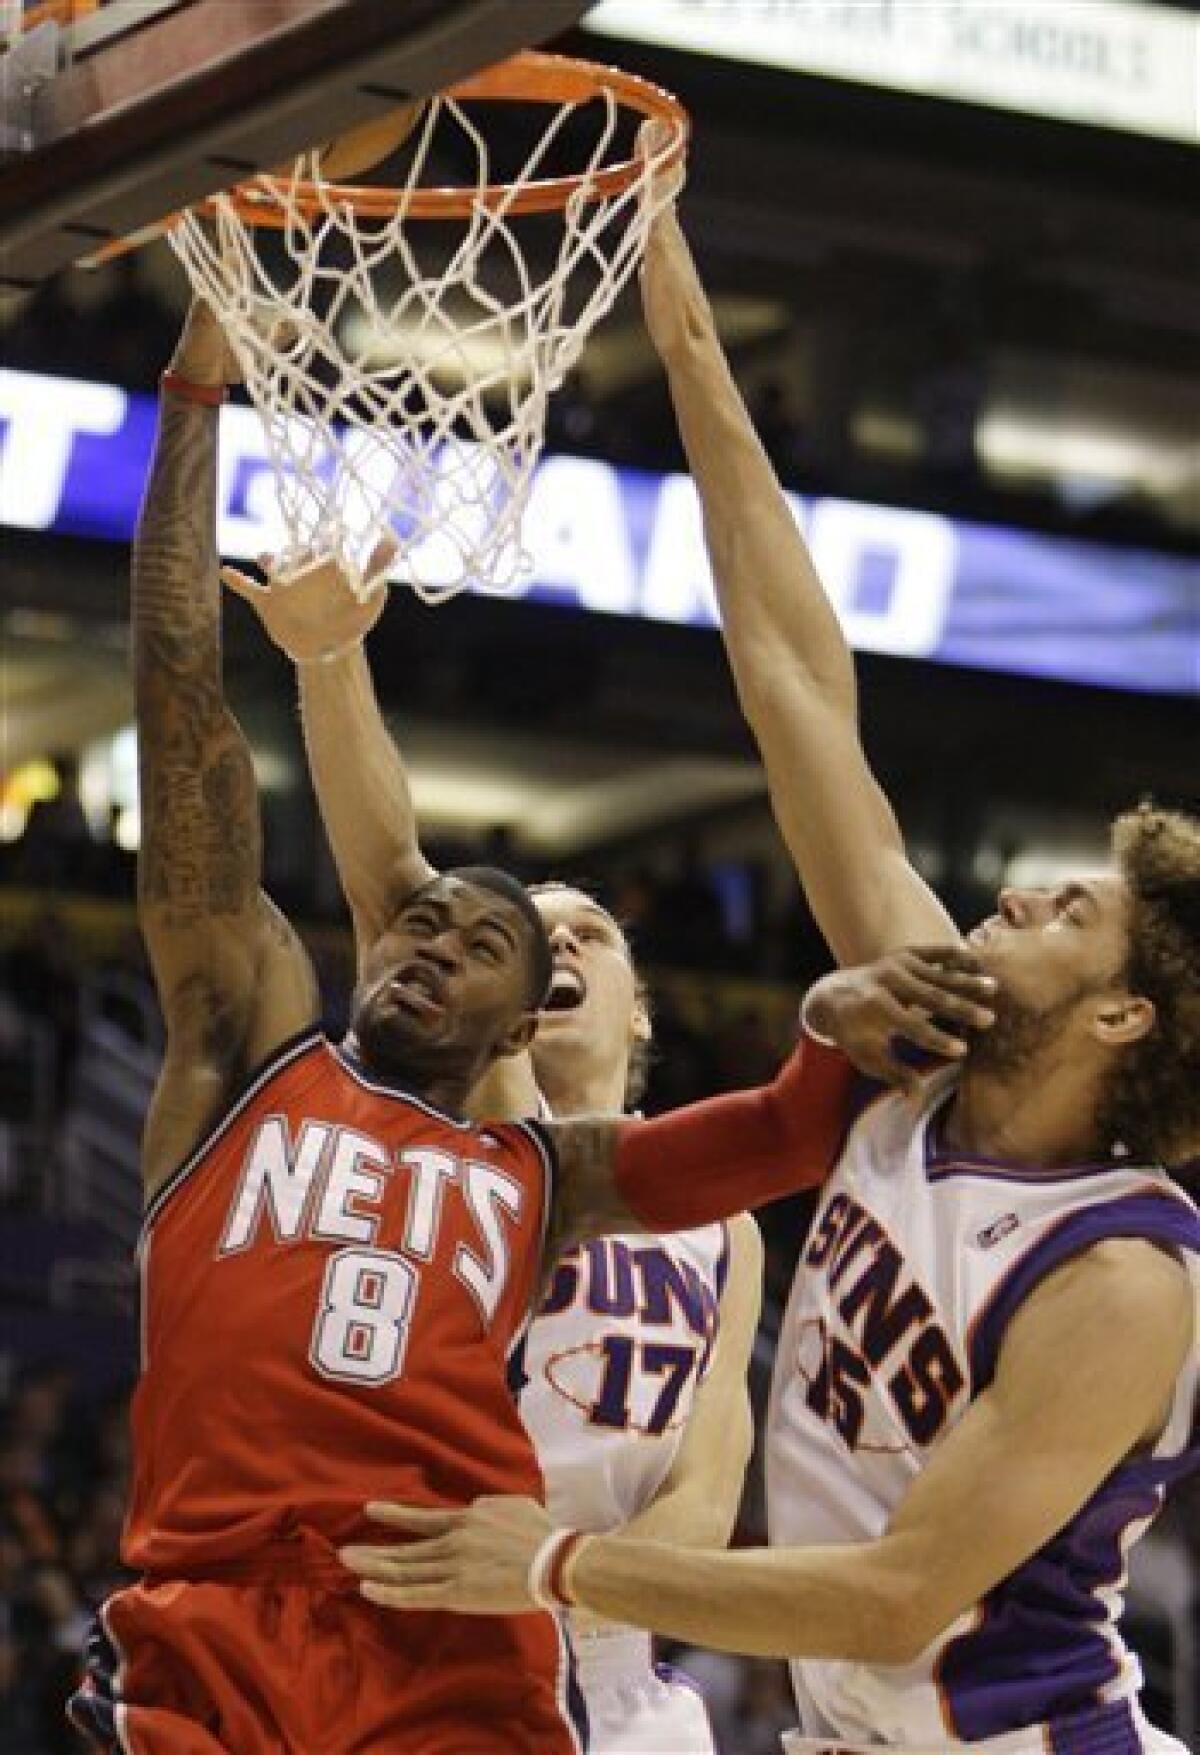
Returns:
point(334, 1265)
point(610, 1452)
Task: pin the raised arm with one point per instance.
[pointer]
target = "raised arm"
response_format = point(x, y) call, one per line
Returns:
point(360, 780)
point(792, 666)
point(231, 976)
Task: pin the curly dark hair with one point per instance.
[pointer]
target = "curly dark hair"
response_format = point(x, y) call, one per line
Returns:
point(1153, 1104)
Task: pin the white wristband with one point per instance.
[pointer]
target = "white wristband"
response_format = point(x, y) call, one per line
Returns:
point(814, 1035)
point(542, 1568)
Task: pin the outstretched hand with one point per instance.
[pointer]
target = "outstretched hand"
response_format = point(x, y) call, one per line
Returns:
point(673, 300)
point(312, 612)
point(930, 999)
point(475, 1561)
point(202, 353)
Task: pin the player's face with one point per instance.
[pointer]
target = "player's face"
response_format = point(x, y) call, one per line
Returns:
point(593, 1011)
point(1056, 954)
point(448, 981)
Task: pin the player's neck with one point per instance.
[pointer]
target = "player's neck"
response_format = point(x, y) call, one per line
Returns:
point(570, 1089)
point(442, 1088)
point(1041, 1116)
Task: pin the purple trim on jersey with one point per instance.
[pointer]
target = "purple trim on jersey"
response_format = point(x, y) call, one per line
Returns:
point(674, 1678)
point(1042, 1650)
point(1106, 1730)
point(1159, 1218)
point(721, 1271)
point(942, 1160)
point(575, 1704)
point(1027, 1178)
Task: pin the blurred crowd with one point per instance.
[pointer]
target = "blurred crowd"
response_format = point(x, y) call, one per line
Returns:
point(63, 1473)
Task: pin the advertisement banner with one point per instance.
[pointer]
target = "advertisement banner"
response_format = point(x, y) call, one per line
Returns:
point(1120, 64)
point(74, 456)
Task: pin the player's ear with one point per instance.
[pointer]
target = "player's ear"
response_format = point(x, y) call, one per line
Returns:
point(1123, 1018)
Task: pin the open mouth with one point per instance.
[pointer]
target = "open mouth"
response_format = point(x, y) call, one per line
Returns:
point(568, 991)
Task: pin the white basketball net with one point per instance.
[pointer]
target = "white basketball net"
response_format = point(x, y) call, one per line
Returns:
point(409, 394)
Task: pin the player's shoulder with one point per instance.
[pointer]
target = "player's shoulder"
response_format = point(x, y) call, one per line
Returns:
point(1137, 1285)
point(523, 1138)
point(1128, 1271)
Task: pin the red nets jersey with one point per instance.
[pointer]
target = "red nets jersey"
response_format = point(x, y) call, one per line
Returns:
point(331, 1286)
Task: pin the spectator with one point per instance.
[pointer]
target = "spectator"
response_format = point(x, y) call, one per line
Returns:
point(57, 850)
point(41, 975)
point(687, 925)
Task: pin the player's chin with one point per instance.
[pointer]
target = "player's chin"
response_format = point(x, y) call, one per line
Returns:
point(390, 1038)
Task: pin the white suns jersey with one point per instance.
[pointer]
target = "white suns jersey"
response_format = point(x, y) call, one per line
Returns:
point(609, 1368)
point(917, 1259)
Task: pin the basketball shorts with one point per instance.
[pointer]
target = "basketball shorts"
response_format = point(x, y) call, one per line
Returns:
point(634, 1708)
point(1117, 1729)
point(289, 1668)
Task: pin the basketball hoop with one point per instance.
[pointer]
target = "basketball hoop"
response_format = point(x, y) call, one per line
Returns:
point(402, 369)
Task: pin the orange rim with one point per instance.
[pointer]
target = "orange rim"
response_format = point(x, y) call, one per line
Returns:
point(63, 12)
point(530, 77)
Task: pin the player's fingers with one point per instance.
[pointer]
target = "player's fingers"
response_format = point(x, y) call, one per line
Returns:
point(923, 1033)
point(941, 1002)
point(383, 554)
point(392, 1565)
point(953, 959)
point(242, 585)
point(423, 1520)
point(892, 1012)
point(979, 987)
point(436, 1595)
point(652, 137)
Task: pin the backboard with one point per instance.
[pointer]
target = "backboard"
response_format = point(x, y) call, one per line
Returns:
point(116, 112)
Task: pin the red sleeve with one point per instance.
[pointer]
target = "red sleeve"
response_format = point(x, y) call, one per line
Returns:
point(714, 1159)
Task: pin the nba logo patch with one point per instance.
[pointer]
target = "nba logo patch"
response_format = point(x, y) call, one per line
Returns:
point(997, 1231)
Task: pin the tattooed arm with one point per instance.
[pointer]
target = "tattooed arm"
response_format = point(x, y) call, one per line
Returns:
point(232, 978)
